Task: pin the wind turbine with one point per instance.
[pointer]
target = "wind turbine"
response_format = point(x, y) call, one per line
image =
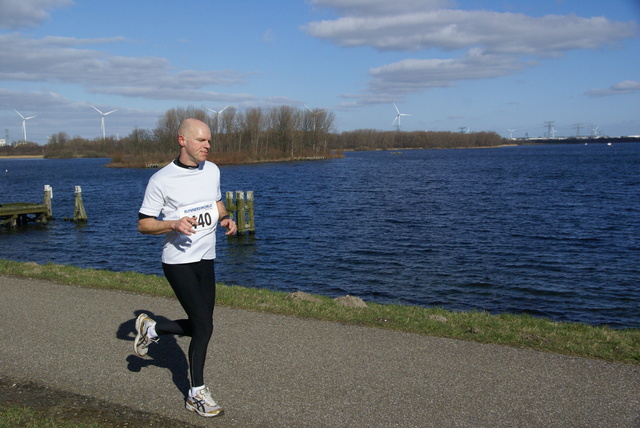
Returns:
point(314, 113)
point(102, 124)
point(511, 131)
point(24, 124)
point(218, 113)
point(398, 116)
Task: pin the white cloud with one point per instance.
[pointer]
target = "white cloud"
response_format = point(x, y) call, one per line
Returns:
point(625, 87)
point(268, 36)
point(381, 7)
point(78, 118)
point(32, 101)
point(27, 13)
point(491, 44)
point(182, 94)
point(459, 29)
point(415, 75)
point(59, 60)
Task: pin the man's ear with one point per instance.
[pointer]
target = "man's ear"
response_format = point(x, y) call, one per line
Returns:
point(181, 140)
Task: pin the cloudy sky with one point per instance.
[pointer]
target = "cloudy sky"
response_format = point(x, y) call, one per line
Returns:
point(482, 65)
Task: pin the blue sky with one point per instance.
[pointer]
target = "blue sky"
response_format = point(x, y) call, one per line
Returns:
point(484, 65)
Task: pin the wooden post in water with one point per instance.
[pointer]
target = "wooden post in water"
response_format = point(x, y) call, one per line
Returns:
point(79, 213)
point(231, 207)
point(251, 228)
point(46, 201)
point(242, 210)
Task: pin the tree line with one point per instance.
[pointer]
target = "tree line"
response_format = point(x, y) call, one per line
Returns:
point(254, 135)
point(371, 139)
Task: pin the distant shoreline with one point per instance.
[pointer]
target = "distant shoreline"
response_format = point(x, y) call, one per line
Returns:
point(507, 143)
point(22, 157)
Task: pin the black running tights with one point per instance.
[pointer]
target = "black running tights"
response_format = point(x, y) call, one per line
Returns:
point(195, 287)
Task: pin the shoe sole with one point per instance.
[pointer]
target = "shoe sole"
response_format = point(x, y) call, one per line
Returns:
point(139, 322)
point(206, 415)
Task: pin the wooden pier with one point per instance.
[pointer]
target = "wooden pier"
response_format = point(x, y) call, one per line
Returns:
point(22, 213)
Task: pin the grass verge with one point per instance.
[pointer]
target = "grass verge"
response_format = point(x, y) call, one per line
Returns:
point(506, 329)
point(32, 405)
point(17, 416)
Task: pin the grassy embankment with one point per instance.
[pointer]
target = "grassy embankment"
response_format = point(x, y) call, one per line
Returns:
point(11, 417)
point(506, 329)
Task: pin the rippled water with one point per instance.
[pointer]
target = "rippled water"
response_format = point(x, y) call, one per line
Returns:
point(548, 230)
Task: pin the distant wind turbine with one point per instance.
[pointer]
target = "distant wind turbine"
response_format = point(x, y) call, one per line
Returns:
point(398, 116)
point(218, 113)
point(102, 122)
point(511, 131)
point(24, 124)
point(314, 113)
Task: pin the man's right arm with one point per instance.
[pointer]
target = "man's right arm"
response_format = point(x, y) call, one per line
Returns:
point(153, 226)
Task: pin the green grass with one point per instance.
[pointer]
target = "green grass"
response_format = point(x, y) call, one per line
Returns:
point(506, 329)
point(25, 417)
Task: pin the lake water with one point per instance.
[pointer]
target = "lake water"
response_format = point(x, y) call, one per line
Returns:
point(551, 230)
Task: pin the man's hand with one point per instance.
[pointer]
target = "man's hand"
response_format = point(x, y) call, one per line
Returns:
point(185, 225)
point(230, 225)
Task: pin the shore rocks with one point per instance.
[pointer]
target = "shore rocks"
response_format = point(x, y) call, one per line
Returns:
point(350, 301)
point(301, 296)
point(347, 301)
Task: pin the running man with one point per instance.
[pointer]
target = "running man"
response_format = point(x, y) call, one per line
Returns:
point(183, 201)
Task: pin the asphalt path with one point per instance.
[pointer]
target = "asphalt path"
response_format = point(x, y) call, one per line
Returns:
point(276, 371)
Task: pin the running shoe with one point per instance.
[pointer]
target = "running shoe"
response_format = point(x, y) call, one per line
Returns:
point(203, 404)
point(142, 342)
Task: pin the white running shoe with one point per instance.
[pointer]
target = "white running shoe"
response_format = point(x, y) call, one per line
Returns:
point(142, 342)
point(203, 404)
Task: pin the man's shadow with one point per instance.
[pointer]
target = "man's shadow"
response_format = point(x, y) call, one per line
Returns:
point(166, 353)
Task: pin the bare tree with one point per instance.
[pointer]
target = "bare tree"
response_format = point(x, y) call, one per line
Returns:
point(253, 126)
point(166, 132)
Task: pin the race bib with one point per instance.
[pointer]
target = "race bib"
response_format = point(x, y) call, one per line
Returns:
point(206, 213)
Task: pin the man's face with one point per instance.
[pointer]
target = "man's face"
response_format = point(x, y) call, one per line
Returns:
point(197, 142)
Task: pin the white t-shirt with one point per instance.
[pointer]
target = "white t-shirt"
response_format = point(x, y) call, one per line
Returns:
point(175, 192)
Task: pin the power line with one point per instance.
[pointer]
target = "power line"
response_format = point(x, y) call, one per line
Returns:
point(549, 125)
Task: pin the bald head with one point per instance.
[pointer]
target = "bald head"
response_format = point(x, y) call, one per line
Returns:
point(191, 126)
point(194, 138)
